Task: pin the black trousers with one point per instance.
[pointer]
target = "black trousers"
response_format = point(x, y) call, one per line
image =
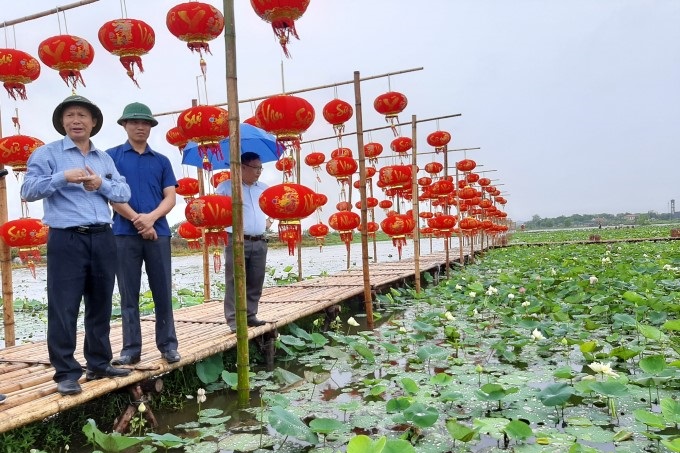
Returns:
point(132, 252)
point(255, 269)
point(80, 267)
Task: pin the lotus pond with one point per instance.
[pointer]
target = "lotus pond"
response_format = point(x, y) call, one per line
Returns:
point(570, 348)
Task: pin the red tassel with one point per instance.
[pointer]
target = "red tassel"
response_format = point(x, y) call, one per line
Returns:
point(217, 261)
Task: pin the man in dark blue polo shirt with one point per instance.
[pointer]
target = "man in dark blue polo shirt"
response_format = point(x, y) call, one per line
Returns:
point(143, 235)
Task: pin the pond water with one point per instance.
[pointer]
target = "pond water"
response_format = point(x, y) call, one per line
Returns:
point(188, 274)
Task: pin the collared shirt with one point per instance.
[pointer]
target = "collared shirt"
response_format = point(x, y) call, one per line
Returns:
point(67, 204)
point(254, 219)
point(147, 174)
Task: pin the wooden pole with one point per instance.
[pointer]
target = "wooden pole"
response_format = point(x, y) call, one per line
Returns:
point(6, 266)
point(319, 87)
point(242, 353)
point(416, 203)
point(388, 127)
point(368, 298)
point(56, 10)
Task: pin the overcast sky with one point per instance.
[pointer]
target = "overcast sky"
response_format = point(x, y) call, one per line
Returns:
point(574, 104)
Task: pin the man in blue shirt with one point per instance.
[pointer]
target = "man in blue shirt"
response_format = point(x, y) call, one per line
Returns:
point(76, 181)
point(255, 223)
point(143, 235)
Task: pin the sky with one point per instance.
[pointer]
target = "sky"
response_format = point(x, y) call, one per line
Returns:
point(574, 104)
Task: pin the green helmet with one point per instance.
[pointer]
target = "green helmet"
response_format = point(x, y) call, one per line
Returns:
point(137, 111)
point(78, 100)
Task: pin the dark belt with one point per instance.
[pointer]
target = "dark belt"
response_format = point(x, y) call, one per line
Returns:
point(259, 237)
point(90, 229)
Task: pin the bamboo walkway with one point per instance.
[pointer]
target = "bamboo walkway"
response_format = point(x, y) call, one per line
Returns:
point(26, 374)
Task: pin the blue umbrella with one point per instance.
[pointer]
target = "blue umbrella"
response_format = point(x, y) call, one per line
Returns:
point(253, 139)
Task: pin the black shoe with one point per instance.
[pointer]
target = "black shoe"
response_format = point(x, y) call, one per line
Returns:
point(254, 322)
point(68, 387)
point(109, 371)
point(125, 360)
point(2, 398)
point(171, 356)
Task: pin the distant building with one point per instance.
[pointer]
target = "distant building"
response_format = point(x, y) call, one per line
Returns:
point(630, 217)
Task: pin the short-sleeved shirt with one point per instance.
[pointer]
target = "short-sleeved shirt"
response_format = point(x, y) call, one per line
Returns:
point(147, 174)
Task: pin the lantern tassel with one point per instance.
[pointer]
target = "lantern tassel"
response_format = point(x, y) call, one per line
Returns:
point(217, 261)
point(71, 77)
point(129, 63)
point(291, 234)
point(283, 29)
point(16, 89)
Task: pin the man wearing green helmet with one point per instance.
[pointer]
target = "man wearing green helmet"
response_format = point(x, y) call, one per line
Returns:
point(76, 182)
point(143, 235)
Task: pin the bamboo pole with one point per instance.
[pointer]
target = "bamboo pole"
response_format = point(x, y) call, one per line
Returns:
point(386, 127)
point(416, 203)
point(56, 10)
point(304, 90)
point(6, 266)
point(242, 353)
point(368, 298)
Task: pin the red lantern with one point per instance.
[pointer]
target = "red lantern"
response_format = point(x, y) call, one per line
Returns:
point(289, 203)
point(205, 125)
point(319, 231)
point(282, 14)
point(485, 203)
point(468, 223)
point(425, 181)
point(187, 188)
point(219, 177)
point(385, 204)
point(372, 151)
point(341, 168)
point(395, 175)
point(443, 224)
point(390, 104)
point(67, 54)
point(337, 112)
point(341, 152)
point(439, 139)
point(128, 39)
point(466, 165)
point(370, 172)
point(252, 121)
point(467, 193)
point(472, 178)
point(501, 200)
point(213, 213)
point(371, 203)
point(195, 23)
point(17, 68)
point(398, 226)
point(484, 182)
point(371, 229)
point(27, 234)
point(343, 206)
point(285, 116)
point(344, 222)
point(191, 234)
point(175, 137)
point(401, 145)
point(441, 188)
point(315, 160)
point(434, 167)
point(16, 149)
point(286, 165)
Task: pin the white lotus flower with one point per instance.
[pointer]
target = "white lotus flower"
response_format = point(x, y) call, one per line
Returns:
point(606, 260)
point(602, 368)
point(402, 330)
point(553, 271)
point(593, 279)
point(459, 287)
point(491, 291)
point(141, 407)
point(352, 322)
point(473, 294)
point(449, 316)
point(511, 296)
point(537, 335)
point(201, 399)
point(526, 303)
point(200, 392)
